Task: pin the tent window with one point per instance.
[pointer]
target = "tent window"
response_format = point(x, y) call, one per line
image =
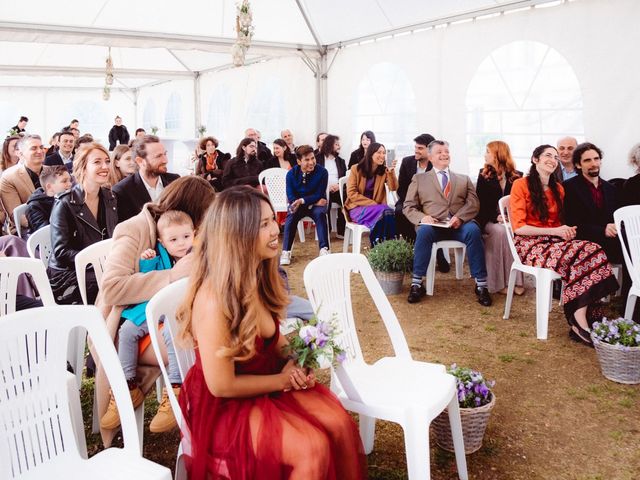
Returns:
point(218, 120)
point(266, 111)
point(149, 116)
point(172, 117)
point(526, 94)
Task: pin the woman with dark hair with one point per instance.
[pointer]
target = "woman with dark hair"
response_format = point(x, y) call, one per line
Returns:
point(9, 152)
point(281, 156)
point(366, 200)
point(211, 162)
point(329, 157)
point(494, 182)
point(244, 168)
point(358, 154)
point(542, 240)
point(251, 411)
point(123, 284)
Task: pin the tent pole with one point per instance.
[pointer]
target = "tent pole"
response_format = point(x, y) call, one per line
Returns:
point(196, 101)
point(321, 93)
point(135, 107)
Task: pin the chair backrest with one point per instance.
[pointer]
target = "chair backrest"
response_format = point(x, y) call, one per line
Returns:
point(35, 415)
point(39, 244)
point(275, 179)
point(10, 269)
point(327, 280)
point(504, 207)
point(18, 212)
point(95, 255)
point(342, 181)
point(627, 220)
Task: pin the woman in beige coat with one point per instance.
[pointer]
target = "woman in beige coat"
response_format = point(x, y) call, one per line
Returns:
point(124, 285)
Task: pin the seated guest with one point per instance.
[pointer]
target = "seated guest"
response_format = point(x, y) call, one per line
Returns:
point(307, 197)
point(631, 188)
point(358, 154)
point(329, 158)
point(54, 180)
point(440, 195)
point(10, 154)
point(53, 144)
point(64, 155)
point(122, 164)
point(262, 151)
point(287, 136)
point(589, 202)
point(211, 162)
point(244, 168)
point(140, 132)
point(542, 240)
point(565, 169)
point(82, 216)
point(366, 201)
point(494, 182)
point(319, 141)
point(148, 182)
point(20, 181)
point(281, 156)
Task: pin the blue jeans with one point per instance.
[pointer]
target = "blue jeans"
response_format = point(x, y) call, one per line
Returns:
point(469, 233)
point(319, 216)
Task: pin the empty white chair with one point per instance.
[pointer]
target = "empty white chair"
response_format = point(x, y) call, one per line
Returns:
point(36, 417)
point(544, 278)
point(18, 213)
point(275, 179)
point(627, 220)
point(397, 389)
point(39, 244)
point(95, 255)
point(459, 250)
point(353, 232)
point(10, 269)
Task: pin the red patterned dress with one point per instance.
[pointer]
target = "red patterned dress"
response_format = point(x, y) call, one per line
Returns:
point(254, 438)
point(583, 265)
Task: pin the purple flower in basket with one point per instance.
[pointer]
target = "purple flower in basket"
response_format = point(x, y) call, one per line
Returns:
point(472, 389)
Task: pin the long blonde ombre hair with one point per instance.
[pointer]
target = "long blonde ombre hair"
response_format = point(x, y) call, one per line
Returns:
point(227, 267)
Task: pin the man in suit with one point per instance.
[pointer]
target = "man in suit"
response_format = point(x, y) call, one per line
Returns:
point(438, 196)
point(64, 155)
point(147, 183)
point(20, 181)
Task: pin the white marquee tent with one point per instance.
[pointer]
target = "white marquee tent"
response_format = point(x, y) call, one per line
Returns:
point(469, 71)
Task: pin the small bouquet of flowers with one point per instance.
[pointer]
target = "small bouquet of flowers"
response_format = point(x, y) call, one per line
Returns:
point(473, 389)
point(617, 331)
point(313, 344)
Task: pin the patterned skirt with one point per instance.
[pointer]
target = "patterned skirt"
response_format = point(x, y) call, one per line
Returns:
point(583, 266)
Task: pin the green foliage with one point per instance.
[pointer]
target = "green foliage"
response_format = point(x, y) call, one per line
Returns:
point(392, 256)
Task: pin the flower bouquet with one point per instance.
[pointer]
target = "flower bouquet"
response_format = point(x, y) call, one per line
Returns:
point(476, 401)
point(313, 344)
point(617, 343)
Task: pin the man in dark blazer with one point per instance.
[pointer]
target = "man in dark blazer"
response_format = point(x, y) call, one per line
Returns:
point(147, 183)
point(440, 195)
point(64, 155)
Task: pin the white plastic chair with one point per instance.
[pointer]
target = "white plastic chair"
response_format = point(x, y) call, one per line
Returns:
point(353, 232)
point(275, 179)
point(627, 221)
point(397, 389)
point(95, 255)
point(544, 278)
point(18, 213)
point(459, 249)
point(39, 244)
point(37, 424)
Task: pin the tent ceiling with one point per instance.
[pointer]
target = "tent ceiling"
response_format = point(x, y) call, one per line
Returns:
point(156, 40)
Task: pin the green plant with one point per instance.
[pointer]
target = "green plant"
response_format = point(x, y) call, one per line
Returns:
point(154, 130)
point(391, 256)
point(202, 129)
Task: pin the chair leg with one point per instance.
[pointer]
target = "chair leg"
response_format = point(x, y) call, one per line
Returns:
point(510, 288)
point(357, 241)
point(181, 468)
point(139, 413)
point(76, 415)
point(416, 444)
point(458, 439)
point(367, 432)
point(459, 254)
point(431, 272)
point(159, 385)
point(347, 238)
point(543, 302)
point(631, 305)
point(301, 231)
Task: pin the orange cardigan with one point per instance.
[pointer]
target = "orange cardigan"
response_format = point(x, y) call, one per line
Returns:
point(356, 185)
point(521, 207)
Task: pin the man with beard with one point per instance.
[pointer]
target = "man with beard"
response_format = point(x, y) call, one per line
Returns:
point(590, 201)
point(147, 183)
point(263, 152)
point(245, 167)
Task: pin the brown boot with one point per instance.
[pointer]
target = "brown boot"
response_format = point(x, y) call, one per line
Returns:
point(111, 418)
point(164, 420)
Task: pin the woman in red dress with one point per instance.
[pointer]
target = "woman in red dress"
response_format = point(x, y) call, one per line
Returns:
point(251, 413)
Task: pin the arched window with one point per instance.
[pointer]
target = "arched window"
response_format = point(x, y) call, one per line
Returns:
point(149, 116)
point(218, 119)
point(172, 116)
point(386, 105)
point(266, 110)
point(526, 94)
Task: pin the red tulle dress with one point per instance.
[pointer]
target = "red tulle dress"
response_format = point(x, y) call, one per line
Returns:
point(281, 435)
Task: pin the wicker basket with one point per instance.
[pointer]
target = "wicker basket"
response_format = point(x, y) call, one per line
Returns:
point(391, 282)
point(474, 424)
point(618, 363)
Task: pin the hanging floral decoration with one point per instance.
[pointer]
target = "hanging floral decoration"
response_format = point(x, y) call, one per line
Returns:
point(244, 31)
point(108, 81)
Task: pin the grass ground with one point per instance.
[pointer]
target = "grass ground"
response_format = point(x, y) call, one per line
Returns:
point(556, 416)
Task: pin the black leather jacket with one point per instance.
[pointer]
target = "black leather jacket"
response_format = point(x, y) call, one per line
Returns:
point(73, 227)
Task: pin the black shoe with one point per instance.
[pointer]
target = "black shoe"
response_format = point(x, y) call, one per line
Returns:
point(577, 337)
point(441, 262)
point(416, 293)
point(483, 296)
point(557, 289)
point(70, 368)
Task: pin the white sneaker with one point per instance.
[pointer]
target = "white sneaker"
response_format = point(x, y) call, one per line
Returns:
point(285, 258)
point(324, 251)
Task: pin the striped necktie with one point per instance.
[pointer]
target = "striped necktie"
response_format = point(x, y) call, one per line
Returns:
point(446, 186)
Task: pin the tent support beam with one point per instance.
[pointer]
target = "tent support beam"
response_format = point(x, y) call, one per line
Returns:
point(35, 70)
point(196, 102)
point(308, 22)
point(321, 93)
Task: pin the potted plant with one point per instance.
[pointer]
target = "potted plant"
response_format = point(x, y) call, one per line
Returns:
point(617, 343)
point(476, 401)
point(154, 130)
point(389, 261)
point(202, 129)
